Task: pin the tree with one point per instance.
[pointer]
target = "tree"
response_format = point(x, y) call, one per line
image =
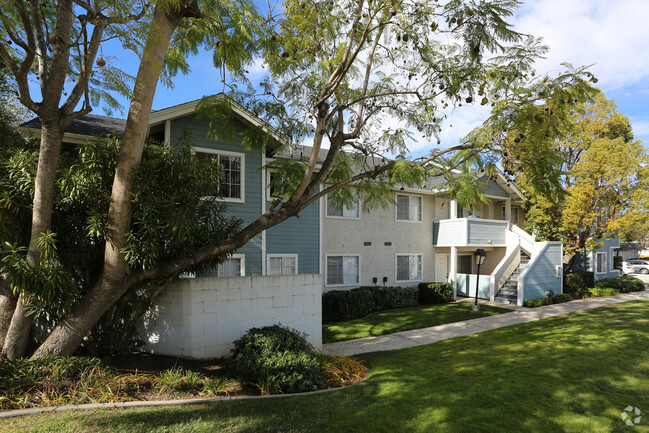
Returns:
point(338, 71)
point(167, 199)
point(59, 41)
point(603, 179)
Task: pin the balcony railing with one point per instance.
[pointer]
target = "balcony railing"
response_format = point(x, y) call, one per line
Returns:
point(470, 232)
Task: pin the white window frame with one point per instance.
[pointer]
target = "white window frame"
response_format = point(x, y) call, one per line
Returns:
point(612, 261)
point(241, 257)
point(358, 210)
point(242, 156)
point(396, 208)
point(282, 256)
point(421, 267)
point(326, 275)
point(596, 260)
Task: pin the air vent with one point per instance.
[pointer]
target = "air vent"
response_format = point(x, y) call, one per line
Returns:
point(387, 244)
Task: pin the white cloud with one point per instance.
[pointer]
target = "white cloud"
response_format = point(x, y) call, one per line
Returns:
point(612, 35)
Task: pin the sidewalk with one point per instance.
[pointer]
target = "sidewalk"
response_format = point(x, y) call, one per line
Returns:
point(418, 337)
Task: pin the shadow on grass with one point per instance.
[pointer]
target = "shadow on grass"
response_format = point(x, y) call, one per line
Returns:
point(573, 373)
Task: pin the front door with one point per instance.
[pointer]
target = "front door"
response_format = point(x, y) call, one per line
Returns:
point(442, 268)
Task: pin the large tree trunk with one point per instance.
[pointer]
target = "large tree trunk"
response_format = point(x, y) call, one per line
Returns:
point(51, 138)
point(69, 334)
point(7, 307)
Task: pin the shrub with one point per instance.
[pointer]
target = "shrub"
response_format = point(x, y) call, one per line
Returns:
point(338, 305)
point(560, 299)
point(577, 284)
point(276, 359)
point(603, 291)
point(624, 284)
point(435, 293)
point(533, 303)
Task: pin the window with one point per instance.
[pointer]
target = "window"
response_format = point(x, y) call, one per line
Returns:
point(344, 212)
point(232, 174)
point(600, 263)
point(408, 208)
point(409, 267)
point(464, 264)
point(342, 270)
point(514, 218)
point(279, 264)
point(231, 267)
point(463, 212)
point(274, 180)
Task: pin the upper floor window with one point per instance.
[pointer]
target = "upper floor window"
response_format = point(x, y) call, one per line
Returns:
point(409, 208)
point(350, 211)
point(231, 186)
point(463, 212)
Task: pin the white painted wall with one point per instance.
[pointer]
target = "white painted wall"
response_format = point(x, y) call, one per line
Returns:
point(347, 236)
point(201, 317)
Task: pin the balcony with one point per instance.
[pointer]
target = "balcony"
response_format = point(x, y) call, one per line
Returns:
point(470, 232)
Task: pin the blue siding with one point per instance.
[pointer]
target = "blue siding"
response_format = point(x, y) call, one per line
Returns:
point(248, 211)
point(588, 261)
point(494, 189)
point(540, 276)
point(607, 245)
point(299, 236)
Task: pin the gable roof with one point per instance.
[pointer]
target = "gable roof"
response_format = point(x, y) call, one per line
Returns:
point(80, 129)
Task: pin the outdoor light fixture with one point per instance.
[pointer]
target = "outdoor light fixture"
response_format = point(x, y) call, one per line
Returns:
point(479, 257)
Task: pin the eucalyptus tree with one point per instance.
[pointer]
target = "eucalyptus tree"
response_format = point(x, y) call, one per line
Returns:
point(367, 76)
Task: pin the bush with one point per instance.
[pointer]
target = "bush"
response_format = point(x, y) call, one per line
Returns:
point(560, 299)
point(435, 293)
point(603, 291)
point(339, 305)
point(533, 303)
point(277, 360)
point(577, 284)
point(624, 284)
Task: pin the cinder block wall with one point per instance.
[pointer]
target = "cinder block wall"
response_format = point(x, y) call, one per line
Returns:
point(201, 317)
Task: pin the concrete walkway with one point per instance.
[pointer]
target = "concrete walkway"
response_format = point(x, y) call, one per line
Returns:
point(418, 337)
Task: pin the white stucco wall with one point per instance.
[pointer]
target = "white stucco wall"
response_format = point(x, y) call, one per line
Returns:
point(201, 317)
point(347, 236)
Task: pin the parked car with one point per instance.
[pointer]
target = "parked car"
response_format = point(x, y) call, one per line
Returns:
point(636, 267)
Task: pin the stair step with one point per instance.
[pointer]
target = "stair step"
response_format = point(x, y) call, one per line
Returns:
point(505, 301)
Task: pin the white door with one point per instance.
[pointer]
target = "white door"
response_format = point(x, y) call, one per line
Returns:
point(441, 268)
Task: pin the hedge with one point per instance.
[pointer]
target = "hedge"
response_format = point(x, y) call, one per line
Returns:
point(435, 293)
point(338, 305)
point(624, 284)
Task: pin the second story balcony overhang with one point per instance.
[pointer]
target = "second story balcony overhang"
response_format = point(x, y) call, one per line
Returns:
point(470, 232)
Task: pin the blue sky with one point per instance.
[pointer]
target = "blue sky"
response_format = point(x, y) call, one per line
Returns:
point(613, 36)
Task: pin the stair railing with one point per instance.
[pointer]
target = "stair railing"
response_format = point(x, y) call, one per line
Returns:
point(507, 265)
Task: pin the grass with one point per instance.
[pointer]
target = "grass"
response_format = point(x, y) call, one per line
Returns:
point(404, 319)
point(571, 373)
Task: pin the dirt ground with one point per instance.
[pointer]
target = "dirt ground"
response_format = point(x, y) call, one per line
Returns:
point(152, 364)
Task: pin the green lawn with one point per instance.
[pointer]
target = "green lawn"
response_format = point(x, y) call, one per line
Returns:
point(404, 319)
point(574, 373)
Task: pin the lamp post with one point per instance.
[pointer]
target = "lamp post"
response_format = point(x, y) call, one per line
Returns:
point(479, 257)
